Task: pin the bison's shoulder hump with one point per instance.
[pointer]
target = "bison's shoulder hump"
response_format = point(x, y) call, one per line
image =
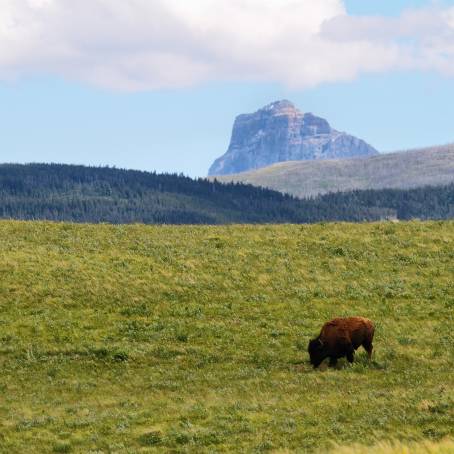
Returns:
point(336, 322)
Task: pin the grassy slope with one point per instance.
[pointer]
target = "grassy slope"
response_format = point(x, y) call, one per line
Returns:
point(431, 166)
point(142, 339)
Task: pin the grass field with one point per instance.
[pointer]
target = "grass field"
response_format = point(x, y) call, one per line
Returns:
point(125, 339)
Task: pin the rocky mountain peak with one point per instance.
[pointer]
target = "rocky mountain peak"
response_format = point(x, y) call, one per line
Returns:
point(280, 132)
point(277, 106)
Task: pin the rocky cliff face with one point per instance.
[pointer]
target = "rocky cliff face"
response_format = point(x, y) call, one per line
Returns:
point(280, 132)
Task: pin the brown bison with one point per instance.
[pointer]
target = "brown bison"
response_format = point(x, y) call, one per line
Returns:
point(341, 337)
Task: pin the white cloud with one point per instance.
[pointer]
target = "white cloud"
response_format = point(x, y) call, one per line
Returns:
point(420, 39)
point(152, 44)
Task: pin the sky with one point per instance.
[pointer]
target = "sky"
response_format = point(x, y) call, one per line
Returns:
point(156, 84)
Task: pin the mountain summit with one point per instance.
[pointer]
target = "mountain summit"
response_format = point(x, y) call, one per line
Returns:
point(280, 132)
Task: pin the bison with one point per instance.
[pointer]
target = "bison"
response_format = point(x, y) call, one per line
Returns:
point(341, 337)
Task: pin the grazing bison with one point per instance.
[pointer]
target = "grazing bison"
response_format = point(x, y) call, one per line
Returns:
point(341, 337)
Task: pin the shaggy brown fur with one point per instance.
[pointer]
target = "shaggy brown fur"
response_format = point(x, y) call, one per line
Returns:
point(341, 337)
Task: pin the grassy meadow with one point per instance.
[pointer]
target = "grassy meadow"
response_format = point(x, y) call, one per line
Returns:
point(125, 339)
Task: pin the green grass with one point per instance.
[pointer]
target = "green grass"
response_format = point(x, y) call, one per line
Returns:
point(133, 339)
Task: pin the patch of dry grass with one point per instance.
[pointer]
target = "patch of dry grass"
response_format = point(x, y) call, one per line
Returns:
point(425, 447)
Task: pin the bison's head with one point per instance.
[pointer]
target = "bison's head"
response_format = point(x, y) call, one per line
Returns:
point(316, 352)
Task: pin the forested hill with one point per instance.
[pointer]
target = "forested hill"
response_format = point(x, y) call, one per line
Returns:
point(89, 194)
point(93, 194)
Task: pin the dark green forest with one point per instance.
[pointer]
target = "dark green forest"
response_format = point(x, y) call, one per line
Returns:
point(102, 194)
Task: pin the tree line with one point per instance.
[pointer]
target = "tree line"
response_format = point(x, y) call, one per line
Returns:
point(102, 194)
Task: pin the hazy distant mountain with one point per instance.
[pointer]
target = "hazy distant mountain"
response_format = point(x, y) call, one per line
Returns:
point(410, 169)
point(280, 132)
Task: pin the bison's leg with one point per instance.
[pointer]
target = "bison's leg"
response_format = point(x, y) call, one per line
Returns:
point(332, 361)
point(349, 352)
point(368, 347)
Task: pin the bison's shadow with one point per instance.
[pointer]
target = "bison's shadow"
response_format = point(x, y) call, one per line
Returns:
point(361, 362)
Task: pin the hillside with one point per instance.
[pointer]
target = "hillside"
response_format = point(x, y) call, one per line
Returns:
point(410, 169)
point(90, 194)
point(193, 339)
point(85, 194)
point(280, 132)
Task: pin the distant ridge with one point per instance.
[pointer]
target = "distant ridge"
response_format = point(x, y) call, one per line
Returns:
point(280, 132)
point(399, 170)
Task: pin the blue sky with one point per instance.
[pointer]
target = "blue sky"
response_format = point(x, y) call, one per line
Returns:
point(383, 7)
point(47, 115)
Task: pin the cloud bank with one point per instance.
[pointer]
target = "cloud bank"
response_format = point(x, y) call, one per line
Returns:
point(155, 44)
